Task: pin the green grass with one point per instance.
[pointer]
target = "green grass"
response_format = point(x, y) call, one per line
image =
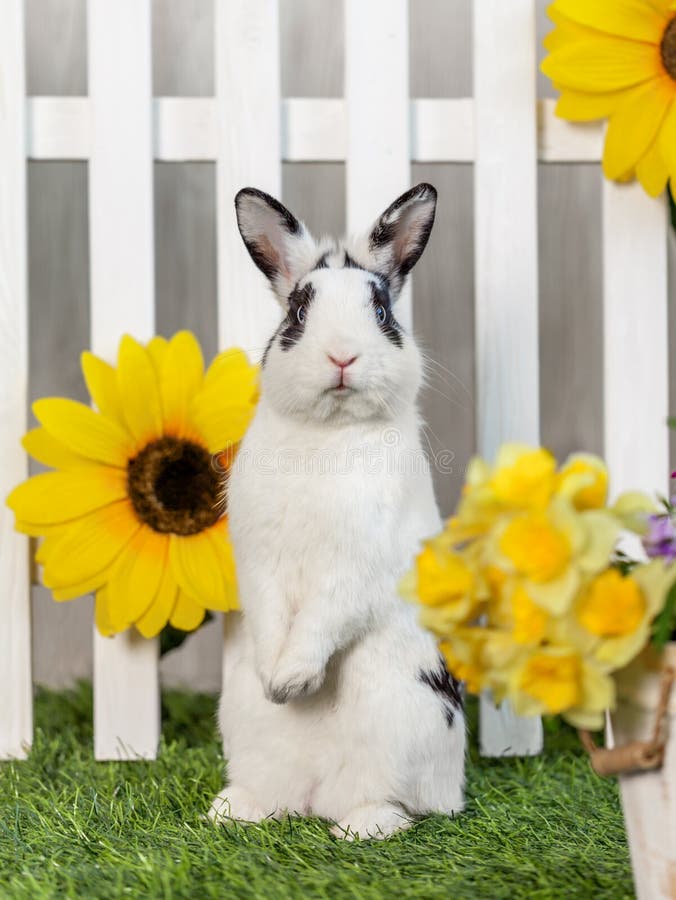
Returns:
point(69, 827)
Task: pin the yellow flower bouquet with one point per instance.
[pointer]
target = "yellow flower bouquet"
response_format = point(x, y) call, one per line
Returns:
point(526, 591)
point(133, 509)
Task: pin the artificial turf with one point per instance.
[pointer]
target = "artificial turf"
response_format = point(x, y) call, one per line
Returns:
point(544, 827)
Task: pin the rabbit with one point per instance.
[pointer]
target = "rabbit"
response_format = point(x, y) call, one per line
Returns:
point(336, 703)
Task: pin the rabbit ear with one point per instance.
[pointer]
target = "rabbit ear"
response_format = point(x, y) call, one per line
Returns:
point(280, 245)
point(400, 234)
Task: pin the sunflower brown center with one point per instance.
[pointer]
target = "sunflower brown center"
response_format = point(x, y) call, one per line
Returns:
point(668, 49)
point(174, 488)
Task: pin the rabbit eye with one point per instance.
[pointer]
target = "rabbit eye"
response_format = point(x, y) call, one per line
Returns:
point(381, 313)
point(300, 314)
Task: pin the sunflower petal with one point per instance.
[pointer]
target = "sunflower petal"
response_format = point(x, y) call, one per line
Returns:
point(631, 19)
point(181, 379)
point(90, 544)
point(81, 588)
point(633, 127)
point(223, 409)
point(101, 616)
point(101, 383)
point(157, 348)
point(46, 545)
point(136, 577)
point(84, 431)
point(160, 610)
point(186, 614)
point(220, 540)
point(35, 529)
point(40, 444)
point(652, 172)
point(580, 106)
point(668, 143)
point(566, 30)
point(197, 568)
point(605, 64)
point(139, 391)
point(54, 497)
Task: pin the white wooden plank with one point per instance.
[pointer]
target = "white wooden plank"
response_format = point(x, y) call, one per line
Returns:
point(562, 141)
point(635, 338)
point(648, 797)
point(185, 129)
point(16, 690)
point(313, 130)
point(442, 129)
point(247, 62)
point(378, 129)
point(248, 154)
point(506, 268)
point(58, 127)
point(126, 684)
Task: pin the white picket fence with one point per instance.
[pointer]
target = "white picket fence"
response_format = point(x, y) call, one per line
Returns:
point(247, 129)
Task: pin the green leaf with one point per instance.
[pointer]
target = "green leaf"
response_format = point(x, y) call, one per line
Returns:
point(672, 205)
point(623, 563)
point(664, 625)
point(171, 637)
point(671, 421)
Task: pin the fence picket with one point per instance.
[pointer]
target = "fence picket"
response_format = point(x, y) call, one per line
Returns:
point(248, 154)
point(248, 151)
point(506, 267)
point(377, 96)
point(635, 328)
point(126, 682)
point(314, 129)
point(16, 689)
point(636, 365)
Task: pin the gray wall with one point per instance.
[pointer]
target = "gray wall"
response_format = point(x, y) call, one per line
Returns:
point(312, 65)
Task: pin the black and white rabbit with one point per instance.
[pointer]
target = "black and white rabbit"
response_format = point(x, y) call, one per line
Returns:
point(335, 703)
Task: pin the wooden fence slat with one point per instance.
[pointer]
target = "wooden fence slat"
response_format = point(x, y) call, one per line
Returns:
point(312, 130)
point(16, 689)
point(635, 338)
point(247, 64)
point(506, 268)
point(636, 438)
point(248, 154)
point(378, 165)
point(126, 682)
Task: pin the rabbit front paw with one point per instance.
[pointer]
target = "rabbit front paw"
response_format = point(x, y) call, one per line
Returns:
point(295, 678)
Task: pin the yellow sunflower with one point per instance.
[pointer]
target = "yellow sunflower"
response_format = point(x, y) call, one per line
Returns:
point(617, 59)
point(134, 509)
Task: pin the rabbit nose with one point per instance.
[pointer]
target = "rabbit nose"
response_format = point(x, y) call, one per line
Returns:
point(341, 363)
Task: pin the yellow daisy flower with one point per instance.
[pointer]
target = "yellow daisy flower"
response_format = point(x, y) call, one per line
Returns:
point(613, 614)
point(550, 552)
point(134, 509)
point(522, 478)
point(617, 59)
point(521, 590)
point(558, 680)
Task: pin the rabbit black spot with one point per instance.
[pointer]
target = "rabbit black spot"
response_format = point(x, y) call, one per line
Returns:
point(269, 344)
point(294, 325)
point(446, 686)
point(350, 263)
point(380, 298)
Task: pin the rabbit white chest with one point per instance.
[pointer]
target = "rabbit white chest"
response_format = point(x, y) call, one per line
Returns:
point(332, 510)
point(335, 701)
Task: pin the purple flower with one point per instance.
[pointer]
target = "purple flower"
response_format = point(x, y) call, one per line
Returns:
point(660, 541)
